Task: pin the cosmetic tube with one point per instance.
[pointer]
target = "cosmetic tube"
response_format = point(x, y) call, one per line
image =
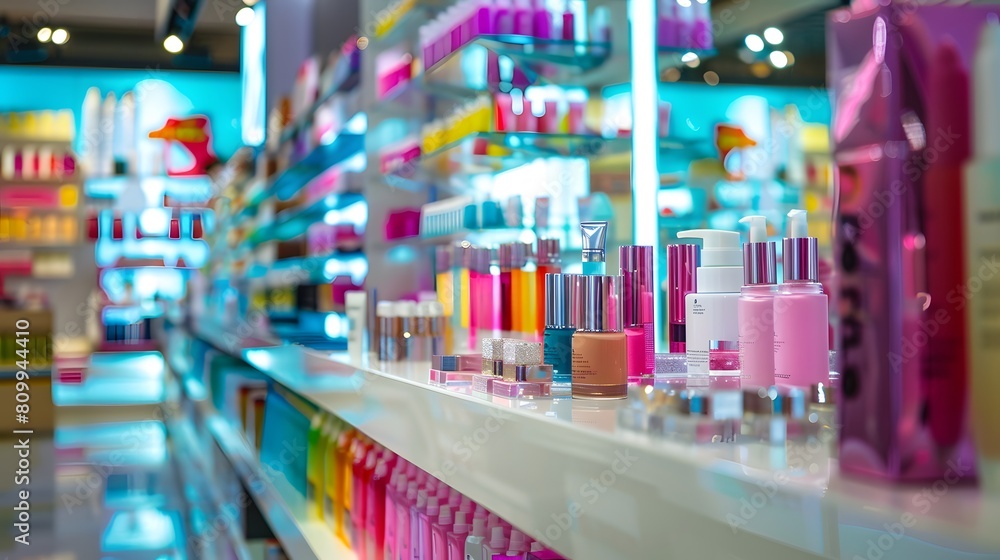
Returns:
point(636, 264)
point(594, 236)
point(460, 267)
point(755, 308)
point(390, 332)
point(549, 261)
point(406, 338)
point(524, 280)
point(801, 312)
point(475, 296)
point(682, 264)
point(559, 329)
point(356, 308)
point(493, 298)
point(600, 362)
point(509, 298)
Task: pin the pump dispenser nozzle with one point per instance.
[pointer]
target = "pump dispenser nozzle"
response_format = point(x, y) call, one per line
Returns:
point(721, 267)
point(760, 261)
point(758, 228)
point(801, 252)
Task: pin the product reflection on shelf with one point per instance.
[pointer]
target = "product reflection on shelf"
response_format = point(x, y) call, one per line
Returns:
point(184, 250)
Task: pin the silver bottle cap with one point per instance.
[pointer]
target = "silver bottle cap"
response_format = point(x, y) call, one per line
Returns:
point(801, 259)
point(760, 263)
point(557, 313)
point(601, 299)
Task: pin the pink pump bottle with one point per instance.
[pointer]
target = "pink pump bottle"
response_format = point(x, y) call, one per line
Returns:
point(404, 533)
point(439, 533)
point(456, 537)
point(801, 312)
point(427, 518)
point(755, 308)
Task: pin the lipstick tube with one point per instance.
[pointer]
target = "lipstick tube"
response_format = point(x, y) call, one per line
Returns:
point(682, 263)
point(637, 309)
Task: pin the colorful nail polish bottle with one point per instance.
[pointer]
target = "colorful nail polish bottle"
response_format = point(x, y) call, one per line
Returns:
point(636, 264)
point(549, 261)
point(600, 363)
point(559, 329)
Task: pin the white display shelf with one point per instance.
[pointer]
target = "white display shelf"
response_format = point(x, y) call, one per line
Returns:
point(301, 540)
point(563, 471)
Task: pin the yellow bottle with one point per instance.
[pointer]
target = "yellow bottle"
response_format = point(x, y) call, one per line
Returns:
point(328, 494)
point(342, 485)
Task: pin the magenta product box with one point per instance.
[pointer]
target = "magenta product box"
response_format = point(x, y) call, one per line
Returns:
point(899, 75)
point(440, 377)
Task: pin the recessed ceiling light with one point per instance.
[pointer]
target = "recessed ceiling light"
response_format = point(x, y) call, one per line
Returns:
point(44, 35)
point(774, 35)
point(173, 44)
point(778, 59)
point(790, 57)
point(754, 42)
point(711, 78)
point(244, 16)
point(691, 59)
point(60, 36)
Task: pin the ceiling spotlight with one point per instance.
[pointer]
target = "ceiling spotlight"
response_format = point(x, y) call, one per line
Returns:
point(60, 36)
point(790, 57)
point(778, 59)
point(711, 78)
point(754, 43)
point(671, 75)
point(173, 44)
point(44, 35)
point(244, 16)
point(690, 59)
point(774, 35)
point(684, 3)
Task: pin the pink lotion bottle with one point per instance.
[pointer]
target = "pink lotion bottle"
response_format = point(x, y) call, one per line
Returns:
point(439, 533)
point(427, 518)
point(393, 498)
point(456, 538)
point(404, 532)
point(419, 509)
point(801, 312)
point(755, 308)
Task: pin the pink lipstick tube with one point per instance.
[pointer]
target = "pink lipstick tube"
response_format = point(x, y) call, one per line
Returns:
point(637, 308)
point(682, 262)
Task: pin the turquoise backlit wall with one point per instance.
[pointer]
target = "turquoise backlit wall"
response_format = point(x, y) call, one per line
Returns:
point(217, 95)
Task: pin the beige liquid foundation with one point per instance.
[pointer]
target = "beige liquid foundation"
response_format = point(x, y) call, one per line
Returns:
point(600, 359)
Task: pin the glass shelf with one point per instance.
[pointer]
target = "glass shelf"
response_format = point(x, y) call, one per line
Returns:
point(318, 269)
point(347, 83)
point(321, 158)
point(294, 222)
point(495, 152)
point(540, 60)
point(188, 188)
